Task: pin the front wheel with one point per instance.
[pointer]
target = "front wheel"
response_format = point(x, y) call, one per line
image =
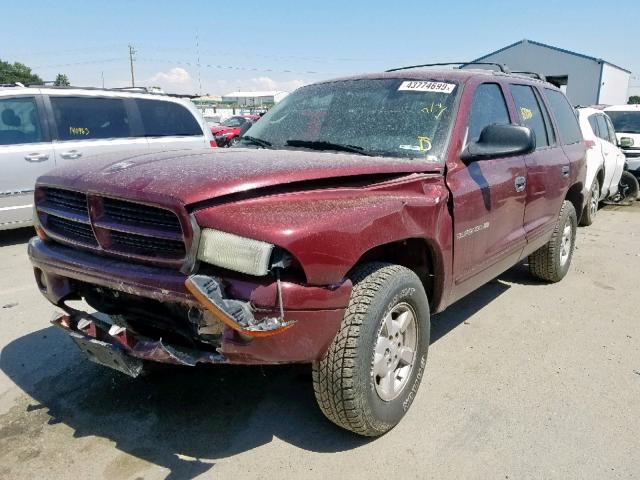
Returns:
point(369, 377)
point(593, 202)
point(551, 262)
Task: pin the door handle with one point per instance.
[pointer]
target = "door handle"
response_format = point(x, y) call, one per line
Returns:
point(520, 183)
point(36, 157)
point(565, 171)
point(71, 154)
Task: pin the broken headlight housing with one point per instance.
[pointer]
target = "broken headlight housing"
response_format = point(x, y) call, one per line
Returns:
point(233, 252)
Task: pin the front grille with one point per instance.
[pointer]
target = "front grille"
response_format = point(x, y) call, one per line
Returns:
point(137, 214)
point(75, 202)
point(120, 227)
point(147, 246)
point(74, 231)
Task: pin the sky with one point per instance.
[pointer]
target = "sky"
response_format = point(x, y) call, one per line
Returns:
point(281, 45)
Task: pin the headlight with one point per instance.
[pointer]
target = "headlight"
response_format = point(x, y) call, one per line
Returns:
point(234, 253)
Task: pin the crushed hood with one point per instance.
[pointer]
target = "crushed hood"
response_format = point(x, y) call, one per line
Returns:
point(187, 177)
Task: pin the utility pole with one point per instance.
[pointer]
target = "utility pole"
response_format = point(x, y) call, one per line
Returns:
point(132, 51)
point(198, 63)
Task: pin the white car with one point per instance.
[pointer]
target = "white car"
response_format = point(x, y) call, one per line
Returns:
point(605, 161)
point(41, 128)
point(626, 121)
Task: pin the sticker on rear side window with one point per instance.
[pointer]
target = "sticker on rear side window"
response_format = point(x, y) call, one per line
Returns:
point(416, 86)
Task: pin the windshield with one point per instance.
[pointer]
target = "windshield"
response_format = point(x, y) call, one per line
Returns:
point(233, 122)
point(388, 117)
point(625, 122)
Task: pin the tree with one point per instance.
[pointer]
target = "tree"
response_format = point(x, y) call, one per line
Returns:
point(61, 80)
point(634, 100)
point(17, 72)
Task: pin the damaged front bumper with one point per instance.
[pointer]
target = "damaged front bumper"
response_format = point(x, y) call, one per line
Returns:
point(297, 327)
point(108, 344)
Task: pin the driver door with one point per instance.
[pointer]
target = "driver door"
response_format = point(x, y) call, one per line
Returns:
point(488, 201)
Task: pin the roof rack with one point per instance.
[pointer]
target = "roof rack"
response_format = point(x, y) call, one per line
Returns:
point(502, 67)
point(151, 90)
point(536, 75)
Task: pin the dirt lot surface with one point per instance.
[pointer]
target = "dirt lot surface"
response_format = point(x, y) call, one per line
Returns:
point(524, 380)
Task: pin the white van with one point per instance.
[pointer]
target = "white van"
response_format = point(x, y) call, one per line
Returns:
point(41, 128)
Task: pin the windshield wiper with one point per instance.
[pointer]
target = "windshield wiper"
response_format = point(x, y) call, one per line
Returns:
point(322, 145)
point(256, 141)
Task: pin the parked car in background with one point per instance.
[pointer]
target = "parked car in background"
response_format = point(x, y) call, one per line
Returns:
point(605, 161)
point(213, 121)
point(230, 130)
point(626, 121)
point(41, 128)
point(348, 214)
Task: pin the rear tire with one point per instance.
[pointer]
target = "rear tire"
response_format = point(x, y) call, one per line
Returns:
point(628, 187)
point(552, 261)
point(370, 374)
point(591, 207)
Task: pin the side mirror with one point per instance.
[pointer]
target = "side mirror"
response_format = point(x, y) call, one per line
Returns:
point(625, 142)
point(500, 140)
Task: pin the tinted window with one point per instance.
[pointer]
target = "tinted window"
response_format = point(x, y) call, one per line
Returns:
point(602, 128)
point(565, 117)
point(161, 119)
point(612, 131)
point(488, 107)
point(529, 112)
point(625, 122)
point(19, 121)
point(551, 134)
point(86, 118)
point(594, 124)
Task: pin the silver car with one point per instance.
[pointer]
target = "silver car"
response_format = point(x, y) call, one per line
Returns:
point(41, 128)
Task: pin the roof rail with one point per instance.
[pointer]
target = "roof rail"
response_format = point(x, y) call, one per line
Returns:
point(14, 84)
point(113, 89)
point(502, 67)
point(536, 75)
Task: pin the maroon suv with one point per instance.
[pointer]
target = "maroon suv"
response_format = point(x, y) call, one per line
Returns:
point(353, 210)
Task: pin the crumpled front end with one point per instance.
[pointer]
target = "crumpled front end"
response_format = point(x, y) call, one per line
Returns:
point(149, 313)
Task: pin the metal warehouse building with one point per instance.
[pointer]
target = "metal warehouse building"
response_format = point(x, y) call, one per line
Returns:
point(586, 80)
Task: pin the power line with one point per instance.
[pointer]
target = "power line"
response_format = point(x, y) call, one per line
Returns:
point(232, 67)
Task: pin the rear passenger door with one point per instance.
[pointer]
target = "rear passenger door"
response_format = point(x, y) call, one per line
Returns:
point(89, 125)
point(613, 164)
point(25, 154)
point(547, 166)
point(170, 125)
point(488, 201)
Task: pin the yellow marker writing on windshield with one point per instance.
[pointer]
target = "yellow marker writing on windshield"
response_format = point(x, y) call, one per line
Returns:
point(425, 144)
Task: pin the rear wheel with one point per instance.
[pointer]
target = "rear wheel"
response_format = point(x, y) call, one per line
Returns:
point(593, 202)
point(370, 375)
point(551, 262)
point(628, 187)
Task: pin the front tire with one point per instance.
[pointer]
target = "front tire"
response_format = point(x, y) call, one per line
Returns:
point(552, 261)
point(369, 377)
point(593, 202)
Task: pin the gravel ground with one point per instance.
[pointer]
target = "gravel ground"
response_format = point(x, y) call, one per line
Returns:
point(524, 380)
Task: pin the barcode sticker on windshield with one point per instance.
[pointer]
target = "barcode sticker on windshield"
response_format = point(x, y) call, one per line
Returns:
point(416, 86)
